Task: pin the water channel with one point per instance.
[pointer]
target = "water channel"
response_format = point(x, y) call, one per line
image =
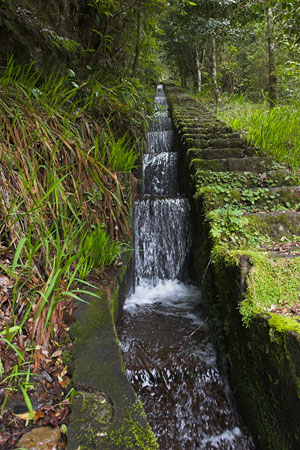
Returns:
point(164, 334)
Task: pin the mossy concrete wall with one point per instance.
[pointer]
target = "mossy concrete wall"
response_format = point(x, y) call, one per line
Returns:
point(245, 214)
point(106, 413)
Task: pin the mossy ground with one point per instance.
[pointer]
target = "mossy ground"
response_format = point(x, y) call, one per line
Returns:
point(273, 283)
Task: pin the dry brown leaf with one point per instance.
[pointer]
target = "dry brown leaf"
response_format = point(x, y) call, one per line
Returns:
point(27, 416)
point(6, 282)
point(64, 371)
point(65, 382)
point(56, 354)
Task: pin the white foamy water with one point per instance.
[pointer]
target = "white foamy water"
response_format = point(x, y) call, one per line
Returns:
point(171, 293)
point(160, 173)
point(158, 225)
point(160, 141)
point(228, 437)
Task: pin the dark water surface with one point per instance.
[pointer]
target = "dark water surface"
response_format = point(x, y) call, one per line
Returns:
point(172, 366)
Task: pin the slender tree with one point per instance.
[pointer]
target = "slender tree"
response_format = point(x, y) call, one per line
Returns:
point(272, 63)
point(214, 67)
point(138, 38)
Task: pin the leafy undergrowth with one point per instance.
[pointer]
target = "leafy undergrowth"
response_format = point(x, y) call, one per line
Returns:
point(65, 155)
point(274, 131)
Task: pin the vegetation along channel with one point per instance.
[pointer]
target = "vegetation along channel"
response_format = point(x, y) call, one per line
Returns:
point(149, 249)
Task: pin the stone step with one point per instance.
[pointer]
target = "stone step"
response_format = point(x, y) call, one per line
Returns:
point(228, 142)
point(258, 199)
point(207, 121)
point(244, 180)
point(213, 136)
point(207, 130)
point(219, 153)
point(204, 120)
point(254, 164)
point(277, 225)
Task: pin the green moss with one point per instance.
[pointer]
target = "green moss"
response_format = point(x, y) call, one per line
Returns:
point(202, 164)
point(284, 324)
point(280, 227)
point(230, 229)
point(132, 435)
point(272, 283)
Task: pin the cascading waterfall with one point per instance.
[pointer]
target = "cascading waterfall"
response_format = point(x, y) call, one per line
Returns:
point(160, 141)
point(164, 336)
point(160, 174)
point(158, 224)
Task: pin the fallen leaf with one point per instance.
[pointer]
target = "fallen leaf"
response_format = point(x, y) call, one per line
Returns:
point(6, 282)
point(65, 382)
point(64, 371)
point(27, 416)
point(56, 354)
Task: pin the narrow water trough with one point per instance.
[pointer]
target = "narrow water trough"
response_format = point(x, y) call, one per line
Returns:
point(164, 334)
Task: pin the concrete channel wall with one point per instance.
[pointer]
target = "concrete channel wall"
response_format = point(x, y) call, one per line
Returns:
point(106, 413)
point(246, 228)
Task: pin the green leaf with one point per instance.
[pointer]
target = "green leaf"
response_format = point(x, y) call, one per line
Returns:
point(11, 330)
point(27, 401)
point(17, 255)
point(14, 348)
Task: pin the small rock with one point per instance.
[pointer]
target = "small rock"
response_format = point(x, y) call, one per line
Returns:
point(43, 438)
point(46, 376)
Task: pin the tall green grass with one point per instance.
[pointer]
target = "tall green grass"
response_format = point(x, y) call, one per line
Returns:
point(276, 131)
point(65, 146)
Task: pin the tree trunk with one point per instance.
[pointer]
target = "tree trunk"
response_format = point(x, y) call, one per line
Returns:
point(272, 63)
point(199, 63)
point(214, 68)
point(183, 80)
point(137, 42)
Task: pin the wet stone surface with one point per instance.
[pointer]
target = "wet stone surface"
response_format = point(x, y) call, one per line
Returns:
point(43, 438)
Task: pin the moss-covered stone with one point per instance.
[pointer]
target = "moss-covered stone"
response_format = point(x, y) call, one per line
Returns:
point(243, 180)
point(248, 200)
point(281, 227)
point(214, 153)
point(131, 434)
point(263, 364)
point(255, 164)
point(105, 401)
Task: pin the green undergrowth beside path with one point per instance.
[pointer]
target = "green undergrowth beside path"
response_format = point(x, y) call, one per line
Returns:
point(67, 150)
point(274, 131)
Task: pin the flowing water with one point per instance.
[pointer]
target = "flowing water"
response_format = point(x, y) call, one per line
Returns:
point(164, 335)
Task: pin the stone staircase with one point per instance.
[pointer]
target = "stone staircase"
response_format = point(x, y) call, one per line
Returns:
point(246, 211)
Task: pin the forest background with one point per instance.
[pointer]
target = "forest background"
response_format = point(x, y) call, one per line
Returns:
point(77, 83)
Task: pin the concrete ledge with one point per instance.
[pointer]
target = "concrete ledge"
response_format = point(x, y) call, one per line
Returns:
point(106, 413)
